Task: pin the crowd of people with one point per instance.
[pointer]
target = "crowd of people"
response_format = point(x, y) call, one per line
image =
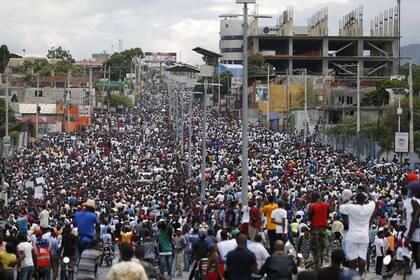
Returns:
point(123, 182)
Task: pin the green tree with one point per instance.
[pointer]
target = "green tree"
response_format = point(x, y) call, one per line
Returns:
point(121, 100)
point(380, 96)
point(121, 62)
point(60, 53)
point(346, 128)
point(312, 96)
point(389, 124)
point(5, 56)
point(225, 80)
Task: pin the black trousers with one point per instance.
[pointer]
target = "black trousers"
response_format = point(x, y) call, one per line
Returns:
point(416, 253)
point(379, 262)
point(271, 238)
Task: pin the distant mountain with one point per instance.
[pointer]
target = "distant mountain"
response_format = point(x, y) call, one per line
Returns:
point(412, 50)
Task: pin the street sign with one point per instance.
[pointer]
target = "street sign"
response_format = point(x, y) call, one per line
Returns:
point(7, 141)
point(401, 142)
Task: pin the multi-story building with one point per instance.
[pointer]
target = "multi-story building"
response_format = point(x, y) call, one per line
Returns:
point(231, 37)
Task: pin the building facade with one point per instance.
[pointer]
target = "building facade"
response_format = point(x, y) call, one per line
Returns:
point(231, 37)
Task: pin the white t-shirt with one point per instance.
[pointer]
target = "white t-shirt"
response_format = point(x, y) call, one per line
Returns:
point(379, 245)
point(278, 215)
point(359, 218)
point(225, 247)
point(26, 247)
point(44, 218)
point(260, 252)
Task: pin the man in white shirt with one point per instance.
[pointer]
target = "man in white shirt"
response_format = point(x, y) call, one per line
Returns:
point(279, 217)
point(25, 260)
point(357, 238)
point(259, 250)
point(225, 246)
point(379, 245)
point(44, 219)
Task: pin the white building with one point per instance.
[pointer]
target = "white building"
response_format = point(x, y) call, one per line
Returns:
point(231, 37)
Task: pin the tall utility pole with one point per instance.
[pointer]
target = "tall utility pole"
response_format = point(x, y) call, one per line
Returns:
point(109, 86)
point(68, 100)
point(268, 96)
point(411, 125)
point(358, 111)
point(37, 113)
point(90, 91)
point(7, 107)
point(287, 99)
point(358, 100)
point(244, 184)
point(218, 91)
point(182, 121)
point(190, 133)
point(305, 73)
point(103, 89)
point(204, 143)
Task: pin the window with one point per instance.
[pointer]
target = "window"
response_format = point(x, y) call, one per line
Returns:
point(226, 25)
point(38, 93)
point(232, 37)
point(341, 100)
point(230, 50)
point(349, 100)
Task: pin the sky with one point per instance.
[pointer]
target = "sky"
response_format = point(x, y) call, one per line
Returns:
point(90, 26)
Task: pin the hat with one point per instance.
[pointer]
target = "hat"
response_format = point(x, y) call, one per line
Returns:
point(179, 229)
point(90, 203)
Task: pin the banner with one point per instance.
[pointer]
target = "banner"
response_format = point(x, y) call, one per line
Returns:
point(84, 110)
point(261, 94)
point(401, 142)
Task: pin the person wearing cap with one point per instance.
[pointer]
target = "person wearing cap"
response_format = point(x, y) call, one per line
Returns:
point(180, 244)
point(86, 220)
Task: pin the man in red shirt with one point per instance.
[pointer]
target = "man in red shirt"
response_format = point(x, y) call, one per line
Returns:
point(254, 220)
point(318, 215)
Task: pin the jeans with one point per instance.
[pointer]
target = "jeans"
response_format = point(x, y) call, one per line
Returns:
point(25, 273)
point(165, 259)
point(186, 262)
point(9, 274)
point(416, 253)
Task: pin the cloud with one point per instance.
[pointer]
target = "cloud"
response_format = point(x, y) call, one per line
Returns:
point(91, 26)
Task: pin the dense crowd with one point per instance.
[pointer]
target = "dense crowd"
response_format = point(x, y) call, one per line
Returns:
point(124, 181)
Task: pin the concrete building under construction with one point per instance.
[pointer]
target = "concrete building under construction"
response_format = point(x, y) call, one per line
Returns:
point(288, 47)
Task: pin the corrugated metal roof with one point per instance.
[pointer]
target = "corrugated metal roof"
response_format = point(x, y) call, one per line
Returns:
point(46, 109)
point(15, 61)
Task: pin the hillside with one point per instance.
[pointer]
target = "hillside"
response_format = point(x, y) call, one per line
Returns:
point(412, 50)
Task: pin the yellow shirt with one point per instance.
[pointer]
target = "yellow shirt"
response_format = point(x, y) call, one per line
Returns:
point(7, 259)
point(126, 237)
point(266, 210)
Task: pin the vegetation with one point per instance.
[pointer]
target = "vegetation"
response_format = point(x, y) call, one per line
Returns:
point(389, 124)
point(60, 53)
point(380, 97)
point(257, 65)
point(117, 100)
point(14, 125)
point(5, 56)
point(312, 97)
point(121, 62)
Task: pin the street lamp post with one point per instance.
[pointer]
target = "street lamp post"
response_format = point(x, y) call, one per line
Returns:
point(244, 183)
point(411, 125)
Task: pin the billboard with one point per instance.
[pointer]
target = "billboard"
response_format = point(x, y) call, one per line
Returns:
point(158, 58)
point(84, 110)
point(236, 82)
point(261, 94)
point(401, 142)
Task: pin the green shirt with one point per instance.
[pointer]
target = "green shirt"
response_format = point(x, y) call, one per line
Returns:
point(164, 241)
